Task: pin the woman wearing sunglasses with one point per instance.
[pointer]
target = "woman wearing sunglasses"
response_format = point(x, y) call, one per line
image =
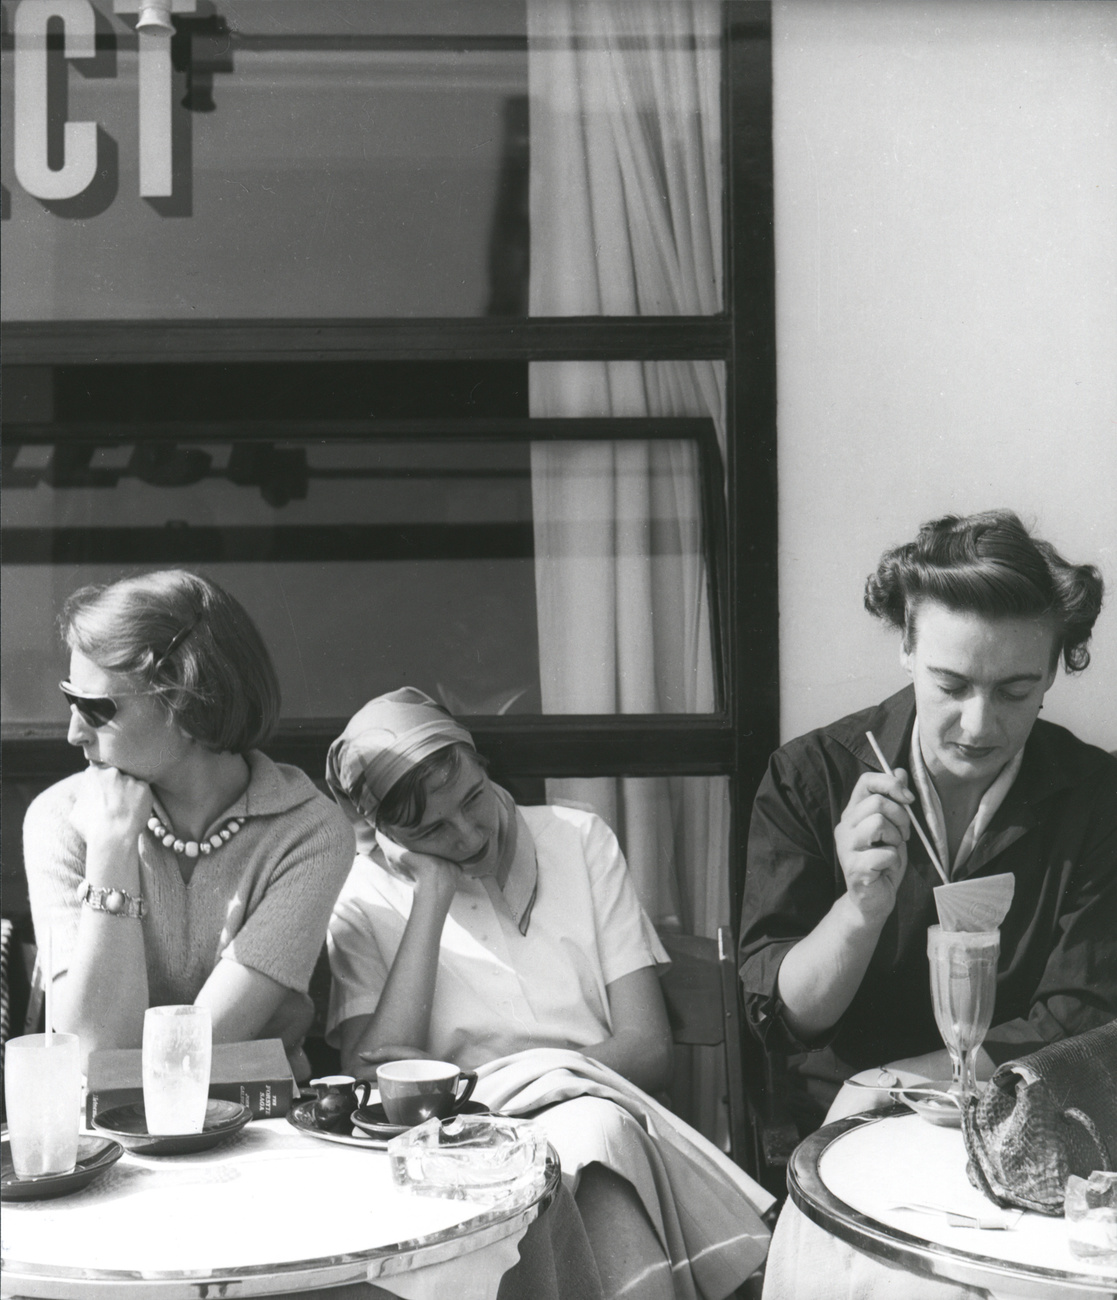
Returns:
point(182, 865)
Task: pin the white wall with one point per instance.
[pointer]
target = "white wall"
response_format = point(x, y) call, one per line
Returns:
point(946, 254)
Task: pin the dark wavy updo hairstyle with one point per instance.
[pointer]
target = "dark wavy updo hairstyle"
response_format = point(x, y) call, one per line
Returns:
point(183, 638)
point(988, 564)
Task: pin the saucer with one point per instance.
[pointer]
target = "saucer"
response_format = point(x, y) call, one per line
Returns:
point(930, 1099)
point(372, 1131)
point(128, 1125)
point(942, 1110)
point(301, 1117)
point(95, 1155)
point(374, 1120)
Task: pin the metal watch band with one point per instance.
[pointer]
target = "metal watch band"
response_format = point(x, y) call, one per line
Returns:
point(114, 901)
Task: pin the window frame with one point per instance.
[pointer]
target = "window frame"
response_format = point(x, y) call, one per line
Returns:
point(310, 738)
point(738, 740)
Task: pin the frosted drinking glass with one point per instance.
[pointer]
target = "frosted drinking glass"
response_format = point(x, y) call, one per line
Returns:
point(42, 1090)
point(177, 1048)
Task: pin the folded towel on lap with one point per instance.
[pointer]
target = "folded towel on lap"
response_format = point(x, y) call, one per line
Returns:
point(704, 1209)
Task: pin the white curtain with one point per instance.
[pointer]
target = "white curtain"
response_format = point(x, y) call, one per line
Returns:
point(626, 201)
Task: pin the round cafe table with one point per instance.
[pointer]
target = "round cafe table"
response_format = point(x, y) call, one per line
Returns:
point(270, 1212)
point(851, 1178)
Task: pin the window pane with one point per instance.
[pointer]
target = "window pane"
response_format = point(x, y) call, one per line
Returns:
point(622, 531)
point(624, 602)
point(368, 564)
point(341, 159)
point(332, 158)
point(626, 158)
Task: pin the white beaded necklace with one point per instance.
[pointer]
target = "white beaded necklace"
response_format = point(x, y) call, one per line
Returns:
point(192, 848)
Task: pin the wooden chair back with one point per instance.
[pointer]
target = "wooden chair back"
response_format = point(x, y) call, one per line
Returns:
point(700, 989)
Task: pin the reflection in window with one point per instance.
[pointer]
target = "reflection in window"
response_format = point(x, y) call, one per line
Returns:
point(364, 565)
point(626, 158)
point(341, 159)
point(457, 566)
point(333, 158)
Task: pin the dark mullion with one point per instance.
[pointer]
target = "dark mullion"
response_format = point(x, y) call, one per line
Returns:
point(541, 338)
point(752, 412)
point(442, 429)
point(623, 744)
point(568, 752)
point(413, 42)
point(529, 746)
point(268, 543)
point(715, 538)
point(118, 40)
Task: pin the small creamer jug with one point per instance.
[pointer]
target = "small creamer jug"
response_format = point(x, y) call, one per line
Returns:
point(339, 1095)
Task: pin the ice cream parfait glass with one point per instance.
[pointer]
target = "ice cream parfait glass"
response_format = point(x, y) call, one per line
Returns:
point(963, 992)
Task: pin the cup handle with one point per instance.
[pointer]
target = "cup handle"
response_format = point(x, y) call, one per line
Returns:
point(366, 1085)
point(469, 1078)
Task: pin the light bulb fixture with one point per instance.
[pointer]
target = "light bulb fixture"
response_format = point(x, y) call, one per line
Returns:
point(155, 18)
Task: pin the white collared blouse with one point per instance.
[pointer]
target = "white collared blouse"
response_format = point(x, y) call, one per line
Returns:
point(499, 991)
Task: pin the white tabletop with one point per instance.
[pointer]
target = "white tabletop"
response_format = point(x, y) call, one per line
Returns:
point(271, 1210)
point(850, 1177)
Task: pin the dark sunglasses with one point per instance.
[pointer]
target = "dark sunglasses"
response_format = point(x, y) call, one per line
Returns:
point(97, 710)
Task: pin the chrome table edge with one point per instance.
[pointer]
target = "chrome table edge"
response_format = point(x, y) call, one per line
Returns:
point(814, 1199)
point(66, 1283)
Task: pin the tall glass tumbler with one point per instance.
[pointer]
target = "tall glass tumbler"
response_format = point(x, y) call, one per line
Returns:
point(42, 1091)
point(177, 1050)
point(963, 992)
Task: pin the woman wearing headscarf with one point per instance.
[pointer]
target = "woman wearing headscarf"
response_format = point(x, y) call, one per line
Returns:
point(510, 940)
point(181, 865)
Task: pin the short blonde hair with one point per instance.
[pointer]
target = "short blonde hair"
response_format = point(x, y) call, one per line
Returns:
point(183, 638)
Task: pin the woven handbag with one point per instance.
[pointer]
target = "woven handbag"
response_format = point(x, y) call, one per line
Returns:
point(1044, 1117)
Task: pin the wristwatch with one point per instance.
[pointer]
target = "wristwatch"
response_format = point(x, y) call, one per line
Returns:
point(117, 902)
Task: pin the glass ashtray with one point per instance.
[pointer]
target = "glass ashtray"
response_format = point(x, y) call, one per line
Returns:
point(1090, 1211)
point(484, 1158)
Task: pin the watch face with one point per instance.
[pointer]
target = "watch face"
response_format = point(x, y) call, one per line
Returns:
point(114, 901)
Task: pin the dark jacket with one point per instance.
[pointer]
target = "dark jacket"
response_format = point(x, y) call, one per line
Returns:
point(1056, 831)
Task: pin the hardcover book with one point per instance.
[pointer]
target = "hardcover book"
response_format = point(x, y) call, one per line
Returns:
point(256, 1074)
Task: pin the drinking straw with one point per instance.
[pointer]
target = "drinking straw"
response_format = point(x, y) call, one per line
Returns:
point(911, 811)
point(46, 964)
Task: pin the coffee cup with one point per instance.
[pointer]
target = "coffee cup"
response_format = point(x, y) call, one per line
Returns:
point(339, 1095)
point(414, 1091)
